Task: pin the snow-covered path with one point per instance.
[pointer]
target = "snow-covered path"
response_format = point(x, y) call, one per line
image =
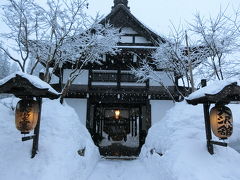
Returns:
point(121, 170)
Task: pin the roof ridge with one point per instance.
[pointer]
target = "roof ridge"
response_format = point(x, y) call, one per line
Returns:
point(155, 37)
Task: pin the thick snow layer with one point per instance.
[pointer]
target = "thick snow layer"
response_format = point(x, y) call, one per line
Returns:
point(122, 170)
point(36, 81)
point(213, 88)
point(61, 136)
point(180, 137)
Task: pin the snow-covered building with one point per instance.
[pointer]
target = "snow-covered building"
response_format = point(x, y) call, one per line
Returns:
point(116, 109)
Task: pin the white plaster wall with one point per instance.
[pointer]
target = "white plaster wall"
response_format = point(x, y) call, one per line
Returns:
point(80, 106)
point(126, 39)
point(81, 79)
point(104, 83)
point(128, 30)
point(139, 39)
point(132, 84)
point(165, 79)
point(159, 109)
point(105, 71)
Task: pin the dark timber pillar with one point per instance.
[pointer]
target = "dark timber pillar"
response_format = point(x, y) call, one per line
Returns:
point(37, 128)
point(206, 107)
point(88, 114)
point(118, 78)
point(90, 74)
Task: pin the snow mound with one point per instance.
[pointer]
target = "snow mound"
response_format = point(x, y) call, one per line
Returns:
point(180, 138)
point(61, 136)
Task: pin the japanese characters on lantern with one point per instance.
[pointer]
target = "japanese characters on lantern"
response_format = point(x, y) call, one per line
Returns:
point(221, 121)
point(26, 115)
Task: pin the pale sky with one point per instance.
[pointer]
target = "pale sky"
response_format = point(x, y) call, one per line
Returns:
point(157, 14)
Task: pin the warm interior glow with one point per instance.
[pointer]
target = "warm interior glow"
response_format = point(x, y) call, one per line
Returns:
point(26, 116)
point(117, 114)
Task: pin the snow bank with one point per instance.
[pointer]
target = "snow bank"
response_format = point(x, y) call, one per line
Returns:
point(61, 136)
point(180, 137)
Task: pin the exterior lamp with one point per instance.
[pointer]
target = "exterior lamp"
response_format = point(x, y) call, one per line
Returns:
point(221, 121)
point(26, 115)
point(117, 114)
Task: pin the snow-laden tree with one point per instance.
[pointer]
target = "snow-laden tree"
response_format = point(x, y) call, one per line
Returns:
point(207, 54)
point(175, 59)
point(57, 34)
point(18, 16)
point(33, 68)
point(4, 68)
point(4, 65)
point(220, 37)
point(84, 47)
point(14, 68)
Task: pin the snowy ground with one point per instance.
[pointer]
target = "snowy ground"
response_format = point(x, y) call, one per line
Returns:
point(179, 137)
point(121, 170)
point(61, 136)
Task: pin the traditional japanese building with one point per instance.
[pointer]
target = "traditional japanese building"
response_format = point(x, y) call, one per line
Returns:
point(116, 109)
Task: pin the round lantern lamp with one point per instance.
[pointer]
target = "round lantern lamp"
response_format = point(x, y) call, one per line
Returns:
point(26, 116)
point(221, 121)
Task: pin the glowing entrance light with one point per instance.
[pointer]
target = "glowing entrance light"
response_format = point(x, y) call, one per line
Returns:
point(117, 114)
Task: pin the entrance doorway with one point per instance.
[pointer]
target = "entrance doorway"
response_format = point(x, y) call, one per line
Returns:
point(119, 129)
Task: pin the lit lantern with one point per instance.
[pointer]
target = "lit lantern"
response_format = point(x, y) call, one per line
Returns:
point(221, 121)
point(117, 114)
point(26, 115)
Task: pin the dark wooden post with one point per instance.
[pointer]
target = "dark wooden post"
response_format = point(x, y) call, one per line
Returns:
point(206, 107)
point(118, 78)
point(88, 114)
point(90, 74)
point(147, 84)
point(141, 131)
point(37, 128)
point(60, 82)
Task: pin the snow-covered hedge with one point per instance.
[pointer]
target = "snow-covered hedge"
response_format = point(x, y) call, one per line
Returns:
point(180, 138)
point(61, 136)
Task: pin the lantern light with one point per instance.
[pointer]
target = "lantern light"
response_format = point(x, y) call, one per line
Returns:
point(221, 121)
point(117, 114)
point(26, 115)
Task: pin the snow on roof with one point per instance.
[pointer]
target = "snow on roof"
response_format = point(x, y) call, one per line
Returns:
point(137, 47)
point(213, 88)
point(149, 28)
point(141, 24)
point(36, 81)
